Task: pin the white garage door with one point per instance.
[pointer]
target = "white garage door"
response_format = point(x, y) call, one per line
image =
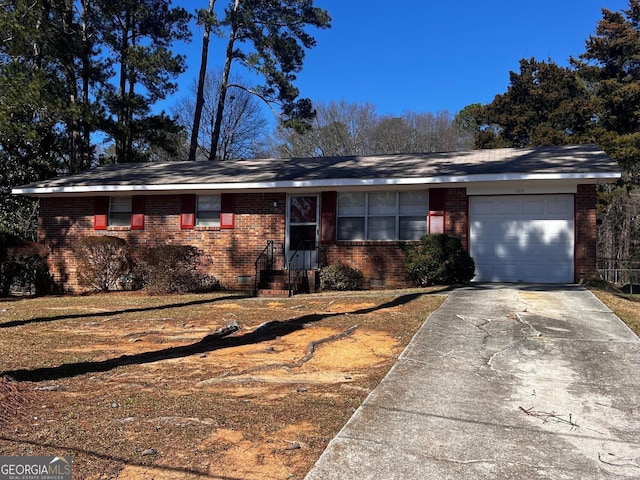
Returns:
point(528, 238)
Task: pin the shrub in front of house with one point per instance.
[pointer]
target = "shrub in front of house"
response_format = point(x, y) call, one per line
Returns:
point(439, 259)
point(23, 268)
point(341, 277)
point(102, 262)
point(173, 269)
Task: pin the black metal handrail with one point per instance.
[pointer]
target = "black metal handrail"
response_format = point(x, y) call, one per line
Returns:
point(301, 274)
point(264, 263)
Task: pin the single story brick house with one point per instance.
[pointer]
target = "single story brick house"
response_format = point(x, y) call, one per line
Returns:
point(525, 215)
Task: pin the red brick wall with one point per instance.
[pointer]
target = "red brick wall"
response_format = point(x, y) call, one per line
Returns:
point(385, 260)
point(230, 253)
point(61, 223)
point(381, 262)
point(456, 220)
point(585, 228)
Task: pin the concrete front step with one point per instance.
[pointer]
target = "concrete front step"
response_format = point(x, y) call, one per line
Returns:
point(277, 293)
point(276, 284)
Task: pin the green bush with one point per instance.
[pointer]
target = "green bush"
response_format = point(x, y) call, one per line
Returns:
point(341, 277)
point(5, 279)
point(23, 267)
point(439, 260)
point(173, 269)
point(102, 262)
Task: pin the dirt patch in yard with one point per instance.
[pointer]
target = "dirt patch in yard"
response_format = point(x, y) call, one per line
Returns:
point(140, 387)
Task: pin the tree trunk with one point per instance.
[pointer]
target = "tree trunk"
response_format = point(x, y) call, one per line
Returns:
point(86, 80)
point(72, 86)
point(123, 109)
point(215, 137)
point(37, 47)
point(130, 97)
point(197, 116)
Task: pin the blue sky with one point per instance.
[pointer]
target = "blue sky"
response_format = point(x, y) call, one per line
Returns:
point(427, 56)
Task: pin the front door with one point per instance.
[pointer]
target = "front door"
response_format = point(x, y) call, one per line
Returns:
point(302, 232)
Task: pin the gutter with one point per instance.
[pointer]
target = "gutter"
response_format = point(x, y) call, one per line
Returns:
point(310, 184)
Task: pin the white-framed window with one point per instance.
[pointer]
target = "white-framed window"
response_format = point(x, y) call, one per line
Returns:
point(208, 210)
point(120, 211)
point(412, 215)
point(382, 215)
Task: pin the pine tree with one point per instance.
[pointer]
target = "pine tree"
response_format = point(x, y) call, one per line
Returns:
point(611, 66)
point(139, 34)
point(274, 37)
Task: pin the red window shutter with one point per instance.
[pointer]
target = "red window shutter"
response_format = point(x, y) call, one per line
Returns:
point(227, 210)
point(436, 199)
point(187, 211)
point(137, 212)
point(436, 210)
point(101, 213)
point(328, 212)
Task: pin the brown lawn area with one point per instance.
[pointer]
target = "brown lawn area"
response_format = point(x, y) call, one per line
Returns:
point(625, 306)
point(138, 387)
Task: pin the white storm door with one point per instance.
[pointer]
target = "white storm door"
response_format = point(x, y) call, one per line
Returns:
point(302, 231)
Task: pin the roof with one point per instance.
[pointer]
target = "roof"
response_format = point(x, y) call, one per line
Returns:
point(581, 163)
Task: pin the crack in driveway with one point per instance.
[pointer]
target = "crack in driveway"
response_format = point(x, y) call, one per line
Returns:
point(487, 334)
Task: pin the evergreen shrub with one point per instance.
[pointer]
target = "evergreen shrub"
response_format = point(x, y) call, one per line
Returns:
point(341, 277)
point(439, 259)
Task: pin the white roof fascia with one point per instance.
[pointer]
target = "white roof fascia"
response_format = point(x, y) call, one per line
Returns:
point(326, 183)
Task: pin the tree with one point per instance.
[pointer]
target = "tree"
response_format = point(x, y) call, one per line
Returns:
point(611, 67)
point(392, 135)
point(618, 227)
point(31, 94)
point(545, 104)
point(354, 129)
point(74, 51)
point(139, 33)
point(274, 37)
point(243, 128)
point(419, 132)
point(208, 19)
point(29, 146)
point(68, 45)
point(439, 132)
point(473, 121)
point(58, 59)
point(338, 129)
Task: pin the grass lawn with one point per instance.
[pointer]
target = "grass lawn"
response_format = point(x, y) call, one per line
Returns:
point(139, 387)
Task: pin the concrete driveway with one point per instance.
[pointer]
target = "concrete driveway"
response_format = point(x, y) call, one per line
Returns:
point(502, 382)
